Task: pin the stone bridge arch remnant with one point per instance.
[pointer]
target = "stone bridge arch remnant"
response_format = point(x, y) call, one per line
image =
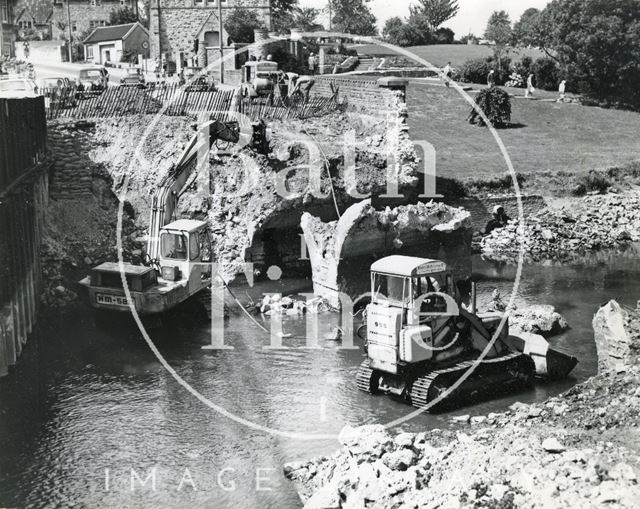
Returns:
point(342, 251)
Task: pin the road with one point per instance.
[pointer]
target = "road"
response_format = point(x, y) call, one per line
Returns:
point(46, 69)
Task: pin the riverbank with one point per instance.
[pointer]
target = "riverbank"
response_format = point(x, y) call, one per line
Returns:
point(568, 228)
point(579, 449)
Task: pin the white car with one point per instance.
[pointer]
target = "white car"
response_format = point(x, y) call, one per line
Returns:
point(18, 87)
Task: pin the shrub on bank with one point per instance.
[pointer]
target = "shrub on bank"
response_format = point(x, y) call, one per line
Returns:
point(546, 71)
point(477, 69)
point(593, 181)
point(495, 103)
point(547, 74)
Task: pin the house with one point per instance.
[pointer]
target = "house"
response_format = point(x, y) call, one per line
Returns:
point(85, 15)
point(7, 29)
point(33, 17)
point(112, 43)
point(185, 32)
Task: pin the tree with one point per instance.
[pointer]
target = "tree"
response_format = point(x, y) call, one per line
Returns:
point(305, 19)
point(353, 17)
point(392, 30)
point(526, 31)
point(499, 28)
point(598, 44)
point(241, 23)
point(282, 14)
point(436, 12)
point(122, 16)
point(404, 33)
point(444, 36)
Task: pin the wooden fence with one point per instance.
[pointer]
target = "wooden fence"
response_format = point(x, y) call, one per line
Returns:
point(23, 198)
point(174, 100)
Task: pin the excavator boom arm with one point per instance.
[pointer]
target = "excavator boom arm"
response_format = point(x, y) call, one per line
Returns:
point(166, 197)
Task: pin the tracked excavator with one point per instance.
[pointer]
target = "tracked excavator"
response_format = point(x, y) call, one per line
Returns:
point(177, 250)
point(424, 347)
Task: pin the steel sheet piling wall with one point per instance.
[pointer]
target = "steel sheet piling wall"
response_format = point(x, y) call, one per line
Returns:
point(23, 198)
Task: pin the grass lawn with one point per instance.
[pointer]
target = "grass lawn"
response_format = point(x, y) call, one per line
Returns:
point(552, 136)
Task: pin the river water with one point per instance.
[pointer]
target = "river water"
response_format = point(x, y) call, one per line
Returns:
point(85, 399)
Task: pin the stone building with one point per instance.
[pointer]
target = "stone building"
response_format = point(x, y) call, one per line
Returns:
point(85, 15)
point(186, 31)
point(7, 29)
point(33, 17)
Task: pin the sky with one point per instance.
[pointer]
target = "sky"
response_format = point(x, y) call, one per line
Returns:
point(472, 16)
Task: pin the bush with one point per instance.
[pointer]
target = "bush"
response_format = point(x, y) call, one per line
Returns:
point(523, 68)
point(476, 70)
point(495, 103)
point(593, 181)
point(129, 56)
point(547, 73)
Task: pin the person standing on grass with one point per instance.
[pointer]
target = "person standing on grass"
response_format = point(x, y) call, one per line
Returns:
point(491, 78)
point(447, 74)
point(530, 88)
point(562, 89)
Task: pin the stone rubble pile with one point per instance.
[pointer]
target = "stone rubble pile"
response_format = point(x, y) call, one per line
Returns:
point(578, 449)
point(596, 222)
point(495, 466)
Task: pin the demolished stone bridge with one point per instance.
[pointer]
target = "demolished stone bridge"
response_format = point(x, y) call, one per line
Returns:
point(342, 251)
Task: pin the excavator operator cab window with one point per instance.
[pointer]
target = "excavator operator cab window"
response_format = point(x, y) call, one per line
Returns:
point(205, 246)
point(436, 283)
point(194, 246)
point(392, 289)
point(173, 246)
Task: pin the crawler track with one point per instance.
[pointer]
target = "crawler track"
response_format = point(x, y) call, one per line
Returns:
point(364, 377)
point(489, 378)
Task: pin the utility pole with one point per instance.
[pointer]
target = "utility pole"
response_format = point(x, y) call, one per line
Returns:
point(69, 27)
point(329, 6)
point(220, 41)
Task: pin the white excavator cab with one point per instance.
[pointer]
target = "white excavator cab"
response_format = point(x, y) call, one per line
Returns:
point(412, 299)
point(183, 250)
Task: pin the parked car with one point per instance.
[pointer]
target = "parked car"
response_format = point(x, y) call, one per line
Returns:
point(259, 78)
point(134, 77)
point(93, 79)
point(201, 84)
point(58, 91)
point(18, 87)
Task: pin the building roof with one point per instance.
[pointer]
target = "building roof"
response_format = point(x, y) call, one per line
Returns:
point(39, 11)
point(110, 33)
point(407, 266)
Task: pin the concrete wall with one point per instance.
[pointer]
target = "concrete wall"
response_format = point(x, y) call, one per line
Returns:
point(41, 51)
point(361, 95)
